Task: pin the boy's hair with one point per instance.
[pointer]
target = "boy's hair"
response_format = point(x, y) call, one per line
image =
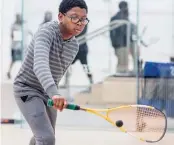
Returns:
point(66, 5)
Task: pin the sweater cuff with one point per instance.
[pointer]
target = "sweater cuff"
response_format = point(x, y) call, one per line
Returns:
point(52, 91)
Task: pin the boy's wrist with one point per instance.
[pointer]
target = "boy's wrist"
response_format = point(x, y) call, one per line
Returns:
point(52, 91)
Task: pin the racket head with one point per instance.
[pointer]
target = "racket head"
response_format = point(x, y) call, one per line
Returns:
point(143, 122)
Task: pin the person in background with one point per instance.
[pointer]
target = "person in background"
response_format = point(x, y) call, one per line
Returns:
point(82, 57)
point(118, 38)
point(47, 17)
point(16, 41)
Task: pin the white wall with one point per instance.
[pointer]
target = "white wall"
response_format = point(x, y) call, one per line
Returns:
point(156, 14)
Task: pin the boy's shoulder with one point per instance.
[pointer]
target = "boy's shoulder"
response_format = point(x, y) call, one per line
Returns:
point(53, 25)
point(49, 28)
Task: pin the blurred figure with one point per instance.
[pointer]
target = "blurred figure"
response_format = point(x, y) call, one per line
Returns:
point(133, 41)
point(119, 38)
point(82, 57)
point(16, 44)
point(171, 59)
point(47, 17)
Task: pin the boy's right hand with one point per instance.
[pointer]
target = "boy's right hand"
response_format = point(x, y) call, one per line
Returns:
point(59, 102)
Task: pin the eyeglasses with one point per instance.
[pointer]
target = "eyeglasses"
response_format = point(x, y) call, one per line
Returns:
point(75, 19)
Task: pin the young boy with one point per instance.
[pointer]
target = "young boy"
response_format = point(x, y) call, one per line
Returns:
point(51, 51)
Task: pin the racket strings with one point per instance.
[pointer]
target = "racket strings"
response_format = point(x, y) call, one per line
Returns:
point(143, 122)
point(150, 120)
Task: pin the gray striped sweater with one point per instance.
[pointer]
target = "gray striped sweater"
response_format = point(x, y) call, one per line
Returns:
point(46, 60)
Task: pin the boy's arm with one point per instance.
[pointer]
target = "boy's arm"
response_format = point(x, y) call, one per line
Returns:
point(41, 68)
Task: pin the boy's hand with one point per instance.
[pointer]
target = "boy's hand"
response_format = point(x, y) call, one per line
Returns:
point(59, 102)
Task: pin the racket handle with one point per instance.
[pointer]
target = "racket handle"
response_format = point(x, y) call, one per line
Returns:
point(50, 103)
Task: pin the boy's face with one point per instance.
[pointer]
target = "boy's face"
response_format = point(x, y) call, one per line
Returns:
point(74, 20)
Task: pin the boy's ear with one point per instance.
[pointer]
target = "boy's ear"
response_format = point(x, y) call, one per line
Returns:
point(60, 17)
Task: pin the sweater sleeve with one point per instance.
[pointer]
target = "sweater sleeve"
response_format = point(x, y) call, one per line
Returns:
point(41, 68)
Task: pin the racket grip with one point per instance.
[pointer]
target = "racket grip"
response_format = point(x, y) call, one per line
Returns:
point(50, 103)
